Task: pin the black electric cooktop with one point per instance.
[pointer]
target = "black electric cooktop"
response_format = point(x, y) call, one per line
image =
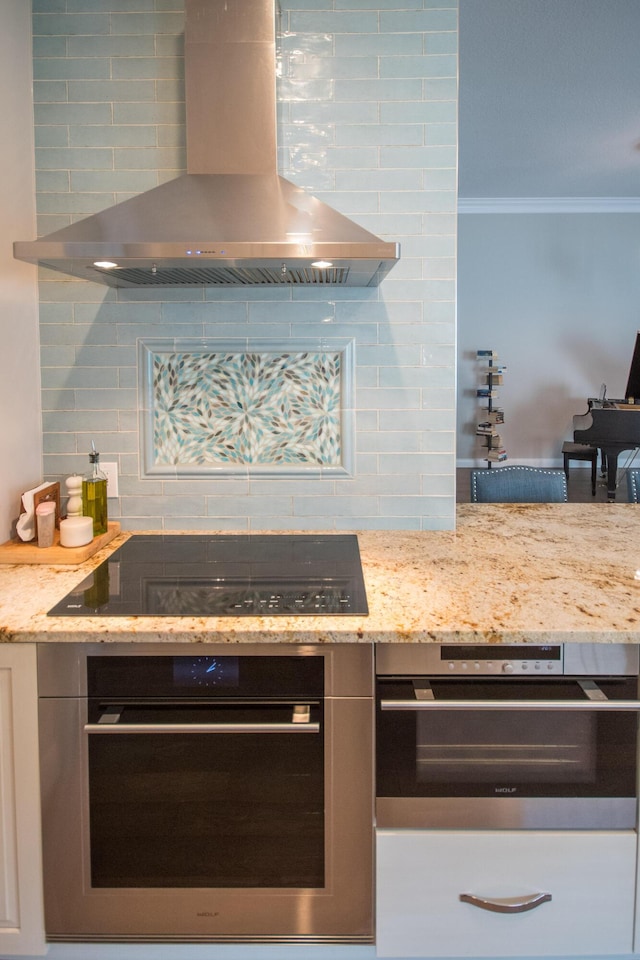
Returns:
point(200, 575)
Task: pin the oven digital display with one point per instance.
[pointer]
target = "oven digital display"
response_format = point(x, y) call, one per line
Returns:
point(503, 652)
point(206, 672)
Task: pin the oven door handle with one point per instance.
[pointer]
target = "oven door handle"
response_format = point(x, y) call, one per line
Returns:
point(109, 722)
point(202, 728)
point(616, 706)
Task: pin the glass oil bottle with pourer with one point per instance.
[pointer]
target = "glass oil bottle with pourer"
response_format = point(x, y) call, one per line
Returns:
point(94, 493)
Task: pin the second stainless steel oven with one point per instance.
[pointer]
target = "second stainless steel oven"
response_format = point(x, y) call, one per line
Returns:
point(524, 736)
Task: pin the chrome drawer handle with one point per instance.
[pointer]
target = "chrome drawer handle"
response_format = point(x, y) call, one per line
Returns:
point(506, 904)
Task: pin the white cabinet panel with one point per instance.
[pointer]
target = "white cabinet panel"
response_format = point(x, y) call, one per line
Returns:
point(21, 910)
point(421, 874)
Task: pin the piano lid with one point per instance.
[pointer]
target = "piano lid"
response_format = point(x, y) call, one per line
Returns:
point(633, 380)
point(611, 421)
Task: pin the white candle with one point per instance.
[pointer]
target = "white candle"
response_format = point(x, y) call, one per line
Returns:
point(76, 531)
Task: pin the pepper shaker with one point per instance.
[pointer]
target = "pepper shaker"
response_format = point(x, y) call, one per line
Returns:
point(74, 489)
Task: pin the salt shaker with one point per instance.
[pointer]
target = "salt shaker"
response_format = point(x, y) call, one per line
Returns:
point(46, 522)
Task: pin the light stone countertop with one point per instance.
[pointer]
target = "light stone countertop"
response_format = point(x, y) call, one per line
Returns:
point(510, 573)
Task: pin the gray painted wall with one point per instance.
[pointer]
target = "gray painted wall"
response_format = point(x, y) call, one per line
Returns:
point(549, 215)
point(549, 93)
point(557, 295)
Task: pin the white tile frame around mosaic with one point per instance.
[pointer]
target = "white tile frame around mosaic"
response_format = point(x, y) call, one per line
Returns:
point(298, 391)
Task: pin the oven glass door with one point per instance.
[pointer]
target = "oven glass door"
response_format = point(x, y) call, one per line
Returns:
point(206, 795)
point(446, 737)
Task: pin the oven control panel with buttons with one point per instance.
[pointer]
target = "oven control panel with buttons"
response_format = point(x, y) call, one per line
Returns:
point(476, 660)
point(495, 660)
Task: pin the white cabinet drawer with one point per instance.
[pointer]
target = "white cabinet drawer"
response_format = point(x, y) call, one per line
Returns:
point(421, 874)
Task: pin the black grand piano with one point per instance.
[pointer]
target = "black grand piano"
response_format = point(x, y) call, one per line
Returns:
point(613, 425)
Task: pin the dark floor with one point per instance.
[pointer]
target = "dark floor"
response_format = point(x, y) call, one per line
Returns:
point(579, 486)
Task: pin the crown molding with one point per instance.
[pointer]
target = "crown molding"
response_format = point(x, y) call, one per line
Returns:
point(549, 205)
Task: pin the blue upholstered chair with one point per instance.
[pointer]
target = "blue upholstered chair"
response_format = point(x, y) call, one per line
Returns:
point(516, 484)
point(633, 485)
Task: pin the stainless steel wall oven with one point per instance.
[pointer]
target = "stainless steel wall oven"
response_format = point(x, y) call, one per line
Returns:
point(207, 792)
point(523, 736)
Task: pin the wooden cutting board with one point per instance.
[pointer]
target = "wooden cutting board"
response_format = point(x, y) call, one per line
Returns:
point(17, 551)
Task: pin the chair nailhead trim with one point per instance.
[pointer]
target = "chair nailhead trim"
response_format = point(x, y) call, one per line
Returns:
point(512, 468)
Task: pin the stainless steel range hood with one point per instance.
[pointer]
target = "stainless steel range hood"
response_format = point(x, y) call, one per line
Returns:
point(230, 220)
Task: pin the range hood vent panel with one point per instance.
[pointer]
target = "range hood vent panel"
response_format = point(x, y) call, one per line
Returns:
point(252, 275)
point(212, 226)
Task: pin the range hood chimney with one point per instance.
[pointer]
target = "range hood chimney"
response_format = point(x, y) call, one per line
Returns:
point(230, 220)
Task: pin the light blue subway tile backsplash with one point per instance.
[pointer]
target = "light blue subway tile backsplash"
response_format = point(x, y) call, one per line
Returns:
point(81, 91)
point(441, 42)
point(69, 113)
point(425, 157)
point(131, 181)
point(440, 65)
point(57, 159)
point(49, 6)
point(52, 137)
point(106, 6)
point(70, 25)
point(426, 111)
point(141, 68)
point(91, 135)
point(145, 23)
point(58, 399)
point(367, 118)
point(378, 4)
point(379, 89)
point(348, 158)
point(111, 46)
point(328, 21)
point(176, 506)
point(80, 377)
point(142, 158)
point(159, 112)
point(49, 47)
point(382, 181)
point(380, 44)
point(313, 113)
point(444, 18)
point(64, 69)
point(337, 67)
point(407, 134)
point(437, 89)
point(441, 134)
point(96, 399)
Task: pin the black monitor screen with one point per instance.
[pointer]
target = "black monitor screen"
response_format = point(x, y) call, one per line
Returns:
point(633, 383)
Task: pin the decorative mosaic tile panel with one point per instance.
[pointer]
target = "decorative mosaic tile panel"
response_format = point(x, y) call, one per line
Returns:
point(231, 407)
